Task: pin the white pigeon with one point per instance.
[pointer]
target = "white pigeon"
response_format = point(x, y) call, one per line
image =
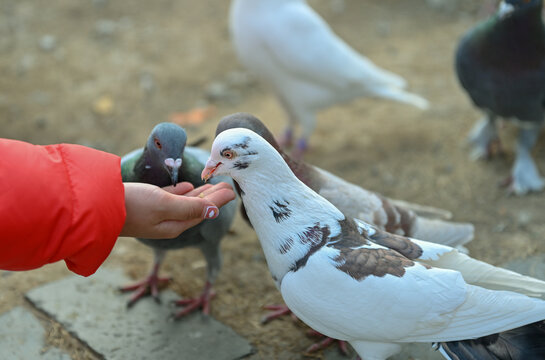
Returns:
point(289, 46)
point(353, 282)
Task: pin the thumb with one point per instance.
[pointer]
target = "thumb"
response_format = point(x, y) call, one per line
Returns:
point(188, 208)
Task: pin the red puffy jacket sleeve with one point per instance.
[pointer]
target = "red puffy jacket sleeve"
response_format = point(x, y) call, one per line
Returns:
point(58, 202)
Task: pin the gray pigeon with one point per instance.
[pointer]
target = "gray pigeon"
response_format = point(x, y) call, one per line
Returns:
point(165, 160)
point(501, 65)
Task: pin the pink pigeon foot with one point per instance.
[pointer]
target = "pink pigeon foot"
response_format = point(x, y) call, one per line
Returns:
point(277, 311)
point(149, 285)
point(282, 310)
point(325, 343)
point(190, 305)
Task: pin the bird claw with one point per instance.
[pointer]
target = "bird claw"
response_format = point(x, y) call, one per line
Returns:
point(324, 343)
point(192, 304)
point(147, 286)
point(524, 177)
point(276, 312)
point(522, 186)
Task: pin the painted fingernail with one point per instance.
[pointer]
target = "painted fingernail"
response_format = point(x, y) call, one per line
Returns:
point(211, 212)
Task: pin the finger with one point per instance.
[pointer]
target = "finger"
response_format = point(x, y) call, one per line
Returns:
point(215, 188)
point(219, 185)
point(189, 208)
point(199, 190)
point(180, 188)
point(221, 196)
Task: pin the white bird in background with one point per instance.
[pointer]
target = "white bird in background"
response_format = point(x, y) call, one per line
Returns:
point(289, 46)
point(354, 282)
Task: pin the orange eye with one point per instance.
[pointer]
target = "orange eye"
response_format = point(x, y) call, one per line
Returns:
point(228, 154)
point(158, 144)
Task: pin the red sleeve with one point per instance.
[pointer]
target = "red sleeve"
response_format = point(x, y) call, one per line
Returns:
point(58, 202)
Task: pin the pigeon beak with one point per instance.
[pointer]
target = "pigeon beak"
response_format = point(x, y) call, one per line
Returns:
point(173, 167)
point(209, 170)
point(505, 9)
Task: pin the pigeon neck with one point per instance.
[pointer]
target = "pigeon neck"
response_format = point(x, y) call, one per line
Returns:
point(514, 43)
point(289, 218)
point(150, 172)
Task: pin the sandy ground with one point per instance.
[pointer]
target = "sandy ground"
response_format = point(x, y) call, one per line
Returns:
point(102, 73)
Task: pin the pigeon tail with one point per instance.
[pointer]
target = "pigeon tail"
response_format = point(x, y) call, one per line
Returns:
point(481, 274)
point(526, 342)
point(403, 96)
point(423, 210)
point(442, 232)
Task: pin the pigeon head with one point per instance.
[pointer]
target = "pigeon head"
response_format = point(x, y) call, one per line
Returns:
point(508, 7)
point(237, 151)
point(164, 149)
point(246, 121)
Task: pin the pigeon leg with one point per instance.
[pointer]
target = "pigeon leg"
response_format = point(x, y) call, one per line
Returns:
point(286, 139)
point(282, 310)
point(300, 149)
point(149, 285)
point(484, 138)
point(324, 343)
point(277, 311)
point(525, 175)
point(190, 305)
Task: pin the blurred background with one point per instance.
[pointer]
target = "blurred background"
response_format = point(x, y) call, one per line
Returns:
point(102, 73)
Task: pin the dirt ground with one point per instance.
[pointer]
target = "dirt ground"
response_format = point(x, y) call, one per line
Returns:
point(102, 73)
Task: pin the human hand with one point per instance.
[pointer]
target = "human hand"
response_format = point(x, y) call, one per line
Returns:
point(164, 213)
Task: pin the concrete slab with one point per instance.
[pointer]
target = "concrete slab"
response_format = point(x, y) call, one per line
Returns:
point(95, 312)
point(532, 266)
point(22, 337)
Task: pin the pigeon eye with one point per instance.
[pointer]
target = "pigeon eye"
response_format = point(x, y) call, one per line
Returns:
point(158, 144)
point(228, 154)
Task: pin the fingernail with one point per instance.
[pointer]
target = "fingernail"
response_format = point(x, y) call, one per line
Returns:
point(211, 212)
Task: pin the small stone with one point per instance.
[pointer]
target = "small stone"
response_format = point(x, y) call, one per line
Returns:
point(444, 5)
point(104, 105)
point(147, 82)
point(41, 123)
point(217, 91)
point(26, 63)
point(240, 79)
point(105, 27)
point(48, 43)
point(383, 29)
point(39, 97)
point(524, 218)
point(500, 227)
point(337, 6)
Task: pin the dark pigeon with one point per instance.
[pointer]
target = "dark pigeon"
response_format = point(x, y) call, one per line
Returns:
point(501, 65)
point(165, 160)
